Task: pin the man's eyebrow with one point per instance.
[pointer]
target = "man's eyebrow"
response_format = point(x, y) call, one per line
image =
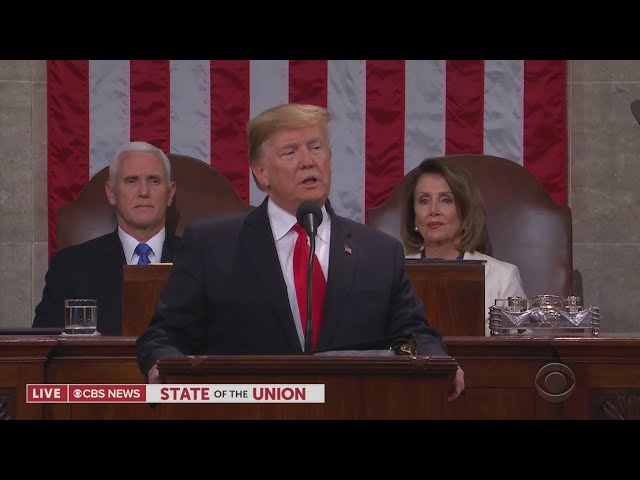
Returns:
point(135, 175)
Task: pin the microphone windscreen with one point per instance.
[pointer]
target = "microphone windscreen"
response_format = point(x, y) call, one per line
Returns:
point(306, 208)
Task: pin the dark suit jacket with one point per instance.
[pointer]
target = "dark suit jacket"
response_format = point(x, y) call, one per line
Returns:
point(92, 269)
point(227, 295)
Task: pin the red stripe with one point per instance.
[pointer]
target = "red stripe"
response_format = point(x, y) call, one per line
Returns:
point(229, 82)
point(384, 130)
point(308, 82)
point(464, 122)
point(67, 135)
point(150, 102)
point(545, 124)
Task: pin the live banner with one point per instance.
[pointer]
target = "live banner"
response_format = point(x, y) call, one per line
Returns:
point(164, 393)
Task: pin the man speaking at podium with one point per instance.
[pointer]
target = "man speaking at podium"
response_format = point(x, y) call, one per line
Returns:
point(239, 283)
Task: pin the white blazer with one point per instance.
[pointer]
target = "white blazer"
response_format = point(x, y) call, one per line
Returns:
point(501, 280)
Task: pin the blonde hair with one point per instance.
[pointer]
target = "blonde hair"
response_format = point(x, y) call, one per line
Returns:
point(288, 115)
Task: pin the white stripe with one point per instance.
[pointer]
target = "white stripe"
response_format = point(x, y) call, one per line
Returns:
point(109, 111)
point(346, 102)
point(268, 87)
point(424, 111)
point(190, 102)
point(503, 108)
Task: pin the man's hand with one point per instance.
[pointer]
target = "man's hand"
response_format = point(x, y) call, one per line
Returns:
point(457, 386)
point(153, 376)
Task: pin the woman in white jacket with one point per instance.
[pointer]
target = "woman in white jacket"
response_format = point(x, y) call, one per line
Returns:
point(444, 218)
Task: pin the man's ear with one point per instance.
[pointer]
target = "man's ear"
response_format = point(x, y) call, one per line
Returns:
point(172, 192)
point(110, 194)
point(260, 174)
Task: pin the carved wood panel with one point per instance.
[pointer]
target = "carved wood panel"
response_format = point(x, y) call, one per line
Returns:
point(615, 405)
point(7, 403)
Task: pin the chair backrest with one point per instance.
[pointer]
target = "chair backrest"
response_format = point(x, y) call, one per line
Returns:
point(526, 227)
point(201, 191)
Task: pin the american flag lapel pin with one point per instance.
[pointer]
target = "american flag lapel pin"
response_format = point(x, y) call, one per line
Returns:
point(347, 249)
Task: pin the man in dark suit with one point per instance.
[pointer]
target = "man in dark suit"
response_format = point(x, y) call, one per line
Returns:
point(140, 189)
point(233, 288)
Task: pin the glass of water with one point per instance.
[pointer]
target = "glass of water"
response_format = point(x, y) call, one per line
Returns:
point(80, 316)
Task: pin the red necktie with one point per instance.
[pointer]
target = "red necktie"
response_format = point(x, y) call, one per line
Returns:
point(319, 284)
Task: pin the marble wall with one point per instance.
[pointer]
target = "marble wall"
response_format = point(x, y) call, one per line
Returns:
point(604, 188)
point(23, 189)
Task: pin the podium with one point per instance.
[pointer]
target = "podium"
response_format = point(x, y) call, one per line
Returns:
point(356, 387)
point(141, 286)
point(452, 293)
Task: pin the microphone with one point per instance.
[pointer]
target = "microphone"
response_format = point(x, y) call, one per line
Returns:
point(635, 109)
point(309, 217)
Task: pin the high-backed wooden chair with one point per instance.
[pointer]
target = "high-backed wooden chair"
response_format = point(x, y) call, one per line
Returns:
point(201, 191)
point(526, 227)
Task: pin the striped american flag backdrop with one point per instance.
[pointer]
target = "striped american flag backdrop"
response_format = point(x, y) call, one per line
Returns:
point(388, 115)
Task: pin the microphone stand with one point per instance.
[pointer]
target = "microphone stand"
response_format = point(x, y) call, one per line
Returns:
point(308, 338)
point(309, 217)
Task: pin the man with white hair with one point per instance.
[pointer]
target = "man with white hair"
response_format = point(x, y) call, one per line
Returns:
point(140, 189)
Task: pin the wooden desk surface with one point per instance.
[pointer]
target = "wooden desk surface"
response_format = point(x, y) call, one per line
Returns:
point(506, 377)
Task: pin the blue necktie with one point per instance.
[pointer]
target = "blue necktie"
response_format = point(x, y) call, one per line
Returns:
point(143, 251)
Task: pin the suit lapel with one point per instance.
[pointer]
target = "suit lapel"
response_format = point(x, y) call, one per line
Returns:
point(478, 256)
point(168, 249)
point(113, 252)
point(112, 259)
point(342, 267)
point(256, 241)
point(475, 256)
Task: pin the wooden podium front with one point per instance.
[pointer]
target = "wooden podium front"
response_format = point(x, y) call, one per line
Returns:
point(141, 286)
point(507, 378)
point(356, 387)
point(452, 293)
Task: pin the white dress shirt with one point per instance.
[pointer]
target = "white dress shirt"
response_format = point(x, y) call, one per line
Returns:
point(129, 245)
point(282, 223)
